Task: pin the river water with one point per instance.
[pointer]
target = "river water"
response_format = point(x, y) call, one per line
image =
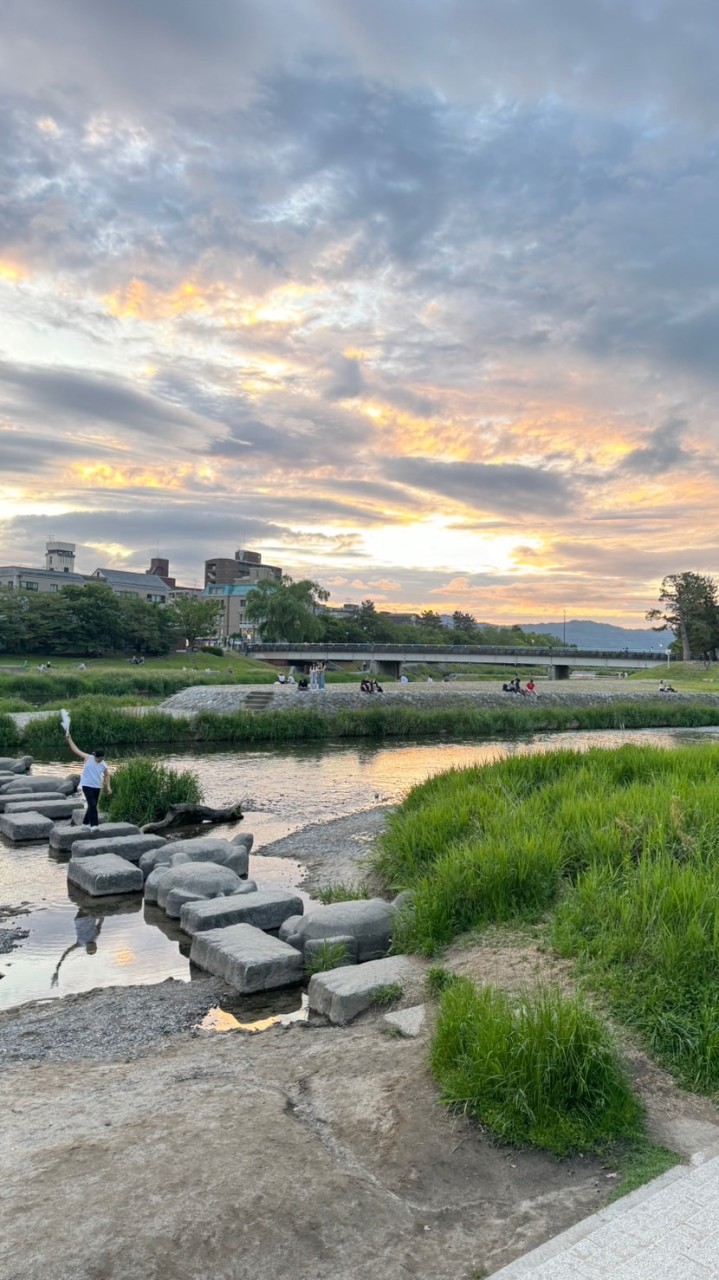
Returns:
point(76, 943)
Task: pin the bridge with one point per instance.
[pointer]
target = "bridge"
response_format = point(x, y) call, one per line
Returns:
point(387, 659)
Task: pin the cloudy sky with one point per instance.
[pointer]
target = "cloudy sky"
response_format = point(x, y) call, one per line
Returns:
point(419, 298)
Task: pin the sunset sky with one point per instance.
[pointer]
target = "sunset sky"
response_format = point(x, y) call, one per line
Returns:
point(419, 298)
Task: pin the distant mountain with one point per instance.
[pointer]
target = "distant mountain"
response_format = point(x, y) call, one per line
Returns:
point(600, 635)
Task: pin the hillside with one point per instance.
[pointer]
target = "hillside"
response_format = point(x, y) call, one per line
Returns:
point(586, 634)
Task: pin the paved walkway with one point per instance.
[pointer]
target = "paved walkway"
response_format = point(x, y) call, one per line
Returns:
point(667, 1230)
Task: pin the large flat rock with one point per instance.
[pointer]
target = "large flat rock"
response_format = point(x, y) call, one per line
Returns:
point(368, 920)
point(200, 849)
point(265, 909)
point(41, 782)
point(78, 814)
point(247, 958)
point(342, 993)
point(25, 826)
point(65, 834)
point(130, 846)
point(49, 808)
point(192, 881)
point(104, 874)
point(12, 764)
point(21, 797)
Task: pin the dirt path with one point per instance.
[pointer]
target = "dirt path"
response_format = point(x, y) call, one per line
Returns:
point(316, 1153)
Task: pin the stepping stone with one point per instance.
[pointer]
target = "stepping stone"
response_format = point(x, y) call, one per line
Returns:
point(200, 849)
point(78, 815)
point(194, 880)
point(65, 834)
point(343, 950)
point(409, 1022)
point(40, 782)
point(265, 909)
point(131, 847)
point(104, 874)
point(247, 958)
point(25, 826)
point(9, 764)
point(49, 808)
point(342, 993)
point(369, 920)
point(14, 797)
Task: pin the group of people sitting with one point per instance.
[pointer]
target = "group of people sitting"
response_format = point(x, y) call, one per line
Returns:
point(368, 684)
point(514, 686)
point(666, 688)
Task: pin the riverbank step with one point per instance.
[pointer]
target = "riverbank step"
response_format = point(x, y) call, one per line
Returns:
point(265, 909)
point(247, 958)
point(23, 796)
point(130, 847)
point(341, 994)
point(25, 826)
point(48, 808)
point(105, 874)
point(65, 834)
point(258, 700)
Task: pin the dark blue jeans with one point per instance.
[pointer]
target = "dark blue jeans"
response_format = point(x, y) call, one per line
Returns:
point(92, 795)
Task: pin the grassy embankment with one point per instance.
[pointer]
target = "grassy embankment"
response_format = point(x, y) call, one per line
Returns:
point(97, 720)
point(125, 685)
point(618, 851)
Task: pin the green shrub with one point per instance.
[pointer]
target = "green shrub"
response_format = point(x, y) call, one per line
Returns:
point(214, 649)
point(438, 979)
point(538, 1071)
point(143, 790)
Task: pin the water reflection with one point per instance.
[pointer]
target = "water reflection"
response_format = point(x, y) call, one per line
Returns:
point(87, 931)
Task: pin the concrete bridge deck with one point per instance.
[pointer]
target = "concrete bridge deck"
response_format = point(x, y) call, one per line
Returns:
point(388, 659)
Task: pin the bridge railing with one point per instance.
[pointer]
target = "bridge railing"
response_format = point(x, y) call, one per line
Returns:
point(457, 651)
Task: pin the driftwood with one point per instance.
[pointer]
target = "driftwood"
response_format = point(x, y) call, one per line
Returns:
point(193, 815)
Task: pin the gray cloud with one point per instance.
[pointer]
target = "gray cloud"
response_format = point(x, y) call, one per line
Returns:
point(504, 488)
point(663, 453)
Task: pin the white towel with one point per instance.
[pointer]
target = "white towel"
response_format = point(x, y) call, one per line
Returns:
point(65, 720)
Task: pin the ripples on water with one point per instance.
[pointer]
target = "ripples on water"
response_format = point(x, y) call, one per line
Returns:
point(118, 941)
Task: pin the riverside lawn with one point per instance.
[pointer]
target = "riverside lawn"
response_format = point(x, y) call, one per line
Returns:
point(616, 851)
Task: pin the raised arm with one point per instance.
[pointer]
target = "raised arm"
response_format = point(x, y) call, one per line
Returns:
point(82, 755)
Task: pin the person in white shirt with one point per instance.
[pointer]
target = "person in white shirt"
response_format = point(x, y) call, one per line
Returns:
point(95, 777)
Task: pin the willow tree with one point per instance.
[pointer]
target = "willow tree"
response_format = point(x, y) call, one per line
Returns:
point(286, 610)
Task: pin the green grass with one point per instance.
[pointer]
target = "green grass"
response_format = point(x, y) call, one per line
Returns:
point(620, 848)
point(388, 996)
point(377, 722)
point(437, 979)
point(539, 1070)
point(640, 1162)
point(329, 955)
point(338, 892)
point(143, 790)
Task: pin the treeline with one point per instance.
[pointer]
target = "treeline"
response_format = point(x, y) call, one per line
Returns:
point(371, 625)
point(87, 621)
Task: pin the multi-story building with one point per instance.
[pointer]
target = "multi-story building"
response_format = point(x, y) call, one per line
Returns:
point(247, 566)
point(124, 583)
point(230, 582)
point(59, 571)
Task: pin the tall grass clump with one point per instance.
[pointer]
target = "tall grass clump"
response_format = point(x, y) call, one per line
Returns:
point(537, 1070)
point(11, 742)
point(648, 935)
point(143, 790)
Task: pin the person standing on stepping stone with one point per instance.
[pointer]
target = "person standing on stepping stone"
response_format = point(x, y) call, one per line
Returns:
point(94, 778)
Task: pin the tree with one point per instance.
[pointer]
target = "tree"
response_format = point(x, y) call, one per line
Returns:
point(464, 622)
point(689, 608)
point(286, 610)
point(146, 627)
point(195, 619)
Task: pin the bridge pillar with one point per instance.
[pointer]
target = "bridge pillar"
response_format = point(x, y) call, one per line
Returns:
point(383, 667)
point(558, 671)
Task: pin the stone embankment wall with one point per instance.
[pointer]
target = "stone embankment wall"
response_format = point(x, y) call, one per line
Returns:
point(425, 697)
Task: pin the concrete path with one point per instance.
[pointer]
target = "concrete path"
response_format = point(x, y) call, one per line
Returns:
point(667, 1230)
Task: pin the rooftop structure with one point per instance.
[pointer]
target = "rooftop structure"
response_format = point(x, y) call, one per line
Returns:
point(246, 566)
point(145, 585)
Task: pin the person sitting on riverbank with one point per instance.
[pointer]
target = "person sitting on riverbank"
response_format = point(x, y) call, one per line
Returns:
point(666, 688)
point(531, 688)
point(302, 683)
point(365, 685)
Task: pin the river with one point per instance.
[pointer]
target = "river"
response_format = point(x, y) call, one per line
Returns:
point(75, 943)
